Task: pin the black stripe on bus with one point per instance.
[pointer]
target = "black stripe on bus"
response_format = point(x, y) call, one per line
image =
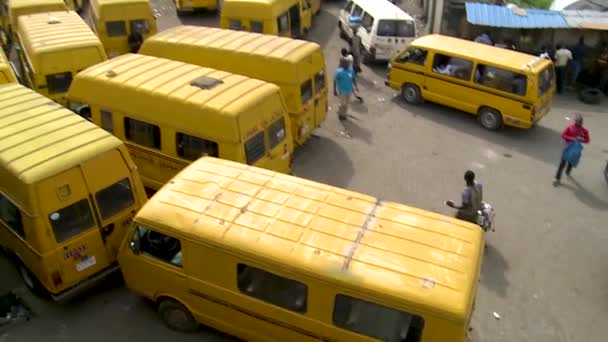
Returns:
point(478, 88)
point(260, 317)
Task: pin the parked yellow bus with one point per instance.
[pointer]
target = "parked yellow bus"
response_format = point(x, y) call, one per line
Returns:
point(501, 87)
point(68, 192)
point(114, 20)
point(271, 257)
point(192, 5)
point(170, 113)
point(7, 75)
point(296, 66)
point(288, 18)
point(52, 48)
point(16, 8)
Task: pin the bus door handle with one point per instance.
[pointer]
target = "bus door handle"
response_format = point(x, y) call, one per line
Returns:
point(526, 106)
point(107, 230)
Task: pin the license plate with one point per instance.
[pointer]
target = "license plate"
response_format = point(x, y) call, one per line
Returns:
point(86, 263)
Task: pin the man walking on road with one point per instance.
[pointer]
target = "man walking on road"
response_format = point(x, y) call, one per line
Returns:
point(343, 87)
point(573, 133)
point(350, 59)
point(562, 57)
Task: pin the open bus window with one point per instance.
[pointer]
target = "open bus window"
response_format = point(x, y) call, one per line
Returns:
point(271, 288)
point(376, 321)
point(192, 148)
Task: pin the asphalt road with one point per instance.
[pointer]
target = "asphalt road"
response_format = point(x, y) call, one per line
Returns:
point(544, 269)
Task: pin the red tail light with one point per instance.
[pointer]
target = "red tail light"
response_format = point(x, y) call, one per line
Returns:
point(56, 277)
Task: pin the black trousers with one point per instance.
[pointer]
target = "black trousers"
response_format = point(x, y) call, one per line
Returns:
point(563, 163)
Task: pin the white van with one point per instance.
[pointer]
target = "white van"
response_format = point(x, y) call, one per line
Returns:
point(385, 28)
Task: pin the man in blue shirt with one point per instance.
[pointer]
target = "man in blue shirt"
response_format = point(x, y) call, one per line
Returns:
point(343, 87)
point(578, 55)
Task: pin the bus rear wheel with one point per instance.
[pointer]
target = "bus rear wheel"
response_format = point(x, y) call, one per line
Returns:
point(489, 118)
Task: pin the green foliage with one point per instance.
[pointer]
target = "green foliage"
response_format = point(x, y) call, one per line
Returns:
point(543, 4)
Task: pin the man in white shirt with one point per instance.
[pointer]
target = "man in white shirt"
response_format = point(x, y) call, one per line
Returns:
point(562, 57)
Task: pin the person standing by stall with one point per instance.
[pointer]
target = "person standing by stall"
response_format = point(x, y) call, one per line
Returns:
point(562, 57)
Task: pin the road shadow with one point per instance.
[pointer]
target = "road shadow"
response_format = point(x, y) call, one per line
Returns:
point(494, 269)
point(200, 18)
point(323, 26)
point(534, 142)
point(323, 160)
point(586, 197)
point(357, 131)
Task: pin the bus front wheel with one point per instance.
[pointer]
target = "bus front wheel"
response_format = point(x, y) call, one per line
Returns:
point(411, 94)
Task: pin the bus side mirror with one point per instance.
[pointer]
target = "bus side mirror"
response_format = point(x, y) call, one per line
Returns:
point(134, 245)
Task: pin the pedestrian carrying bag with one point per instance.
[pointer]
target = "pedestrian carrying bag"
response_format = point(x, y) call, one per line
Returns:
point(572, 153)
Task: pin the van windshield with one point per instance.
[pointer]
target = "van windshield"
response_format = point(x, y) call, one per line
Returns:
point(396, 28)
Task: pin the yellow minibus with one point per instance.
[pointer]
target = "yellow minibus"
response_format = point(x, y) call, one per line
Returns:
point(17, 8)
point(270, 257)
point(68, 192)
point(114, 20)
point(288, 18)
point(53, 48)
point(500, 86)
point(170, 113)
point(296, 66)
point(7, 75)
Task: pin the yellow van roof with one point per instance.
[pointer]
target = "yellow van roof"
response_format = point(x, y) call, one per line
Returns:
point(6, 68)
point(17, 8)
point(246, 45)
point(255, 8)
point(397, 252)
point(39, 138)
point(165, 91)
point(51, 31)
point(33, 3)
point(481, 52)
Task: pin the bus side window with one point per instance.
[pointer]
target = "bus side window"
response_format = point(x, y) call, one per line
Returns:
point(452, 66)
point(271, 288)
point(10, 215)
point(414, 56)
point(192, 148)
point(376, 321)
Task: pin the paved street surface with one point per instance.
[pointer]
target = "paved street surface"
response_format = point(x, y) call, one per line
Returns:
point(544, 269)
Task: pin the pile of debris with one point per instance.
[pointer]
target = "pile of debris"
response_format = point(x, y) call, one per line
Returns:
point(12, 310)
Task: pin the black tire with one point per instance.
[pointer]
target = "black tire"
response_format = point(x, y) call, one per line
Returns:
point(590, 96)
point(30, 280)
point(411, 94)
point(176, 316)
point(606, 173)
point(489, 118)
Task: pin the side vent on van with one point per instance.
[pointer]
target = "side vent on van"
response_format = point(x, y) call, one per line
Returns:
point(206, 82)
point(111, 73)
point(53, 20)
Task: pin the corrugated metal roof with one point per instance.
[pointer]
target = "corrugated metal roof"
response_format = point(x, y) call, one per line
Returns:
point(586, 19)
point(502, 16)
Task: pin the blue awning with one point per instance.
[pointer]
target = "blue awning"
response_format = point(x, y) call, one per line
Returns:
point(518, 18)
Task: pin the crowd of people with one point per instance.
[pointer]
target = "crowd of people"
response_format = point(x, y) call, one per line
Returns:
point(569, 61)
